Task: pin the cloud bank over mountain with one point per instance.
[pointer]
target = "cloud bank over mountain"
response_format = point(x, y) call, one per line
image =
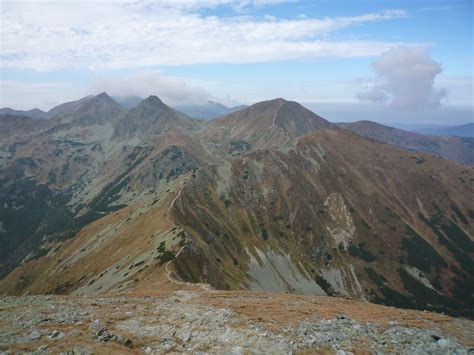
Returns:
point(171, 89)
point(405, 79)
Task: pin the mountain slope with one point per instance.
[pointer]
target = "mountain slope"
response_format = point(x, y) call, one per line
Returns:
point(338, 210)
point(77, 167)
point(453, 148)
point(272, 197)
point(91, 110)
point(466, 130)
point(275, 122)
point(66, 106)
point(151, 117)
point(14, 126)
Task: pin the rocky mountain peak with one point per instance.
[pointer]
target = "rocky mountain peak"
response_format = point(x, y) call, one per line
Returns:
point(90, 110)
point(297, 119)
point(271, 122)
point(151, 108)
point(152, 100)
point(152, 116)
point(104, 97)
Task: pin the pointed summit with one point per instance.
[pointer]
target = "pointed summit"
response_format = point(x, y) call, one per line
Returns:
point(271, 121)
point(106, 98)
point(151, 109)
point(103, 95)
point(153, 100)
point(297, 120)
point(89, 110)
point(152, 116)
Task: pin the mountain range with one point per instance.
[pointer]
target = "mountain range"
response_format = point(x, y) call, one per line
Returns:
point(209, 110)
point(33, 113)
point(204, 111)
point(459, 148)
point(466, 130)
point(100, 198)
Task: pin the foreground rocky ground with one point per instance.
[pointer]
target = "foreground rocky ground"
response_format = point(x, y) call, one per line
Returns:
point(199, 321)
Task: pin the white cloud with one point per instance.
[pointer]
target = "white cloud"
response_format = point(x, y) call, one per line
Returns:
point(460, 89)
point(172, 90)
point(48, 35)
point(405, 79)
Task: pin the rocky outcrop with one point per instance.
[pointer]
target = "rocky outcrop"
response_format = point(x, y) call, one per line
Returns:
point(234, 323)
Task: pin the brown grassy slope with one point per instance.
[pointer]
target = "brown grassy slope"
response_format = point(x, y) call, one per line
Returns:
point(296, 202)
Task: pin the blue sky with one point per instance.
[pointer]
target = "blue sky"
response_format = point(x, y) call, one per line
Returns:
point(412, 60)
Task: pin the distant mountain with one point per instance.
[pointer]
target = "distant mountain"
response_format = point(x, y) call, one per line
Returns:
point(466, 130)
point(88, 111)
point(209, 110)
point(127, 102)
point(267, 123)
point(34, 113)
point(272, 197)
point(151, 117)
point(453, 148)
point(413, 127)
point(57, 110)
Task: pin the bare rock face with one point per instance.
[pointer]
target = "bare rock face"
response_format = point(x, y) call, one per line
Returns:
point(268, 198)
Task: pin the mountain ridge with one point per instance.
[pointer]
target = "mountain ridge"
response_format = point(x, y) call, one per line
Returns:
point(272, 197)
point(454, 148)
point(33, 113)
point(466, 130)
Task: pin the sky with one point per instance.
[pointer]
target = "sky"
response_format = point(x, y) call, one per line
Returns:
point(408, 61)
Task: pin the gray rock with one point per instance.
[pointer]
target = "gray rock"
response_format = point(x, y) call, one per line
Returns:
point(82, 351)
point(445, 343)
point(56, 335)
point(104, 335)
point(42, 349)
point(95, 326)
point(34, 335)
point(74, 333)
point(184, 334)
